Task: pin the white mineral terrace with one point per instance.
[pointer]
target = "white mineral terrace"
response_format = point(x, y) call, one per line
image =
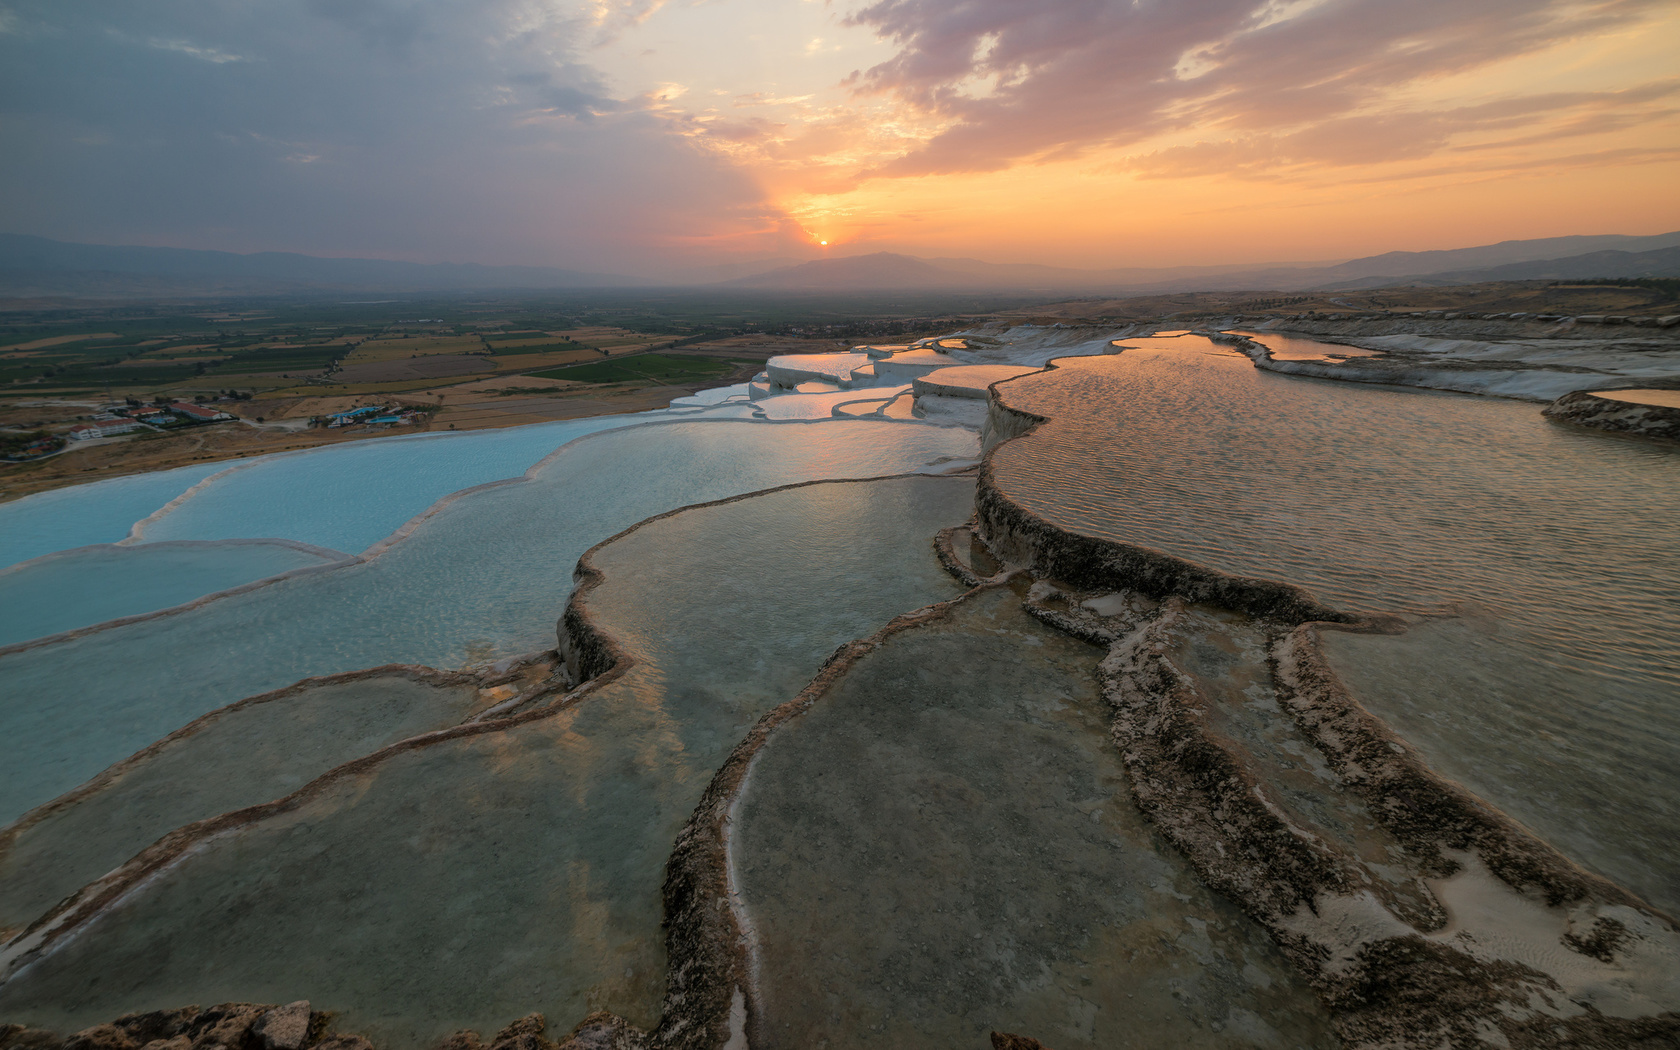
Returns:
point(306, 723)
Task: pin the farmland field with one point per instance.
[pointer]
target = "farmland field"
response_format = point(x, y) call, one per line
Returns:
point(658, 367)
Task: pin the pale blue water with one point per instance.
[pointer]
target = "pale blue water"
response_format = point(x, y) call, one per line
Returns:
point(476, 880)
point(487, 576)
point(100, 512)
point(351, 496)
point(109, 582)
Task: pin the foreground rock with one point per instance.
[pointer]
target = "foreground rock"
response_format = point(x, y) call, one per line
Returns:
point(1603, 411)
point(233, 1026)
point(294, 1026)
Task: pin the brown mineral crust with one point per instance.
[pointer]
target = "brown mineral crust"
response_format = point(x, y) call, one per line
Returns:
point(1601, 412)
point(1425, 811)
point(1407, 991)
point(162, 1025)
point(1008, 1041)
point(599, 1031)
point(708, 948)
point(284, 1027)
point(524, 1034)
point(1190, 785)
point(101, 1037)
point(1077, 621)
point(256, 1026)
point(605, 1031)
point(944, 547)
point(231, 1026)
point(20, 1037)
point(1601, 941)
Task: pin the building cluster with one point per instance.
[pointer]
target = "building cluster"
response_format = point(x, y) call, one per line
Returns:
point(372, 415)
point(122, 419)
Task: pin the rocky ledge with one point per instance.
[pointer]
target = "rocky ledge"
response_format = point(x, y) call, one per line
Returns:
point(294, 1026)
point(1602, 411)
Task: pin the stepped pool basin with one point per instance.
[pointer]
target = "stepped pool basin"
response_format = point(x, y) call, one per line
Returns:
point(487, 876)
point(482, 578)
point(1553, 548)
point(945, 845)
point(110, 581)
point(438, 731)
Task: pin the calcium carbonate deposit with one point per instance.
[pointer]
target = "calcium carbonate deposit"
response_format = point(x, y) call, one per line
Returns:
point(1106, 686)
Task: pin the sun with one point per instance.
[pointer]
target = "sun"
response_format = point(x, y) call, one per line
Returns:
point(823, 243)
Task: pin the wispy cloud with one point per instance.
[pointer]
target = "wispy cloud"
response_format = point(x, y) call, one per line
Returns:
point(1067, 76)
point(1503, 125)
point(213, 55)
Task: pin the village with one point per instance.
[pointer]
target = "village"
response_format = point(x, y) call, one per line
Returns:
point(115, 419)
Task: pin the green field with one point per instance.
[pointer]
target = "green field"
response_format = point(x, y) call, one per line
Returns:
point(538, 348)
point(660, 368)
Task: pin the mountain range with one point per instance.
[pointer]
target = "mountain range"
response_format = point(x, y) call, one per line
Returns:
point(37, 266)
point(1548, 258)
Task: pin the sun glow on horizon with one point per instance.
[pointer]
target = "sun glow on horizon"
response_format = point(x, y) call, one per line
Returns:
point(1532, 137)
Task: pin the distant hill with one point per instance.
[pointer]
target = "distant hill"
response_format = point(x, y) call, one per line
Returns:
point(37, 266)
point(1397, 264)
point(1543, 258)
point(892, 271)
point(1664, 262)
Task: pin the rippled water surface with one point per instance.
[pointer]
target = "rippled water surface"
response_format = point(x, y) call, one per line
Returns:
point(1558, 548)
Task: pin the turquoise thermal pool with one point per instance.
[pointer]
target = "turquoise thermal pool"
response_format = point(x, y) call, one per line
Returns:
point(482, 578)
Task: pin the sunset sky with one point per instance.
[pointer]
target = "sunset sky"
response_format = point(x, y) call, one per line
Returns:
point(690, 138)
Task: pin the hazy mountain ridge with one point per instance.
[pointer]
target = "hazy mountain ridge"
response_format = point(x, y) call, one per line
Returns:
point(1508, 261)
point(37, 266)
point(1663, 262)
point(42, 265)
